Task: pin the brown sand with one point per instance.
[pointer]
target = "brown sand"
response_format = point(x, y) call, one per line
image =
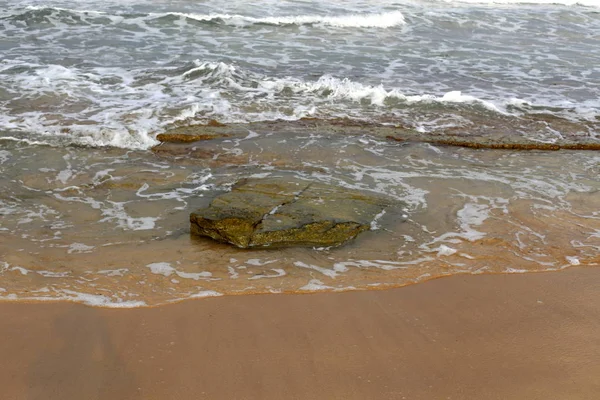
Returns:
point(534, 336)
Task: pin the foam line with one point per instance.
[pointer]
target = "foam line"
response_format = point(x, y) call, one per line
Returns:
point(381, 20)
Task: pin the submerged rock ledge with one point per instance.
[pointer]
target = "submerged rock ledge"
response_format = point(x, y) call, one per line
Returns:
point(481, 144)
point(279, 212)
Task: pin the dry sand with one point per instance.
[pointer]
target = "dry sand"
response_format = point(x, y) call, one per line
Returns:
point(525, 337)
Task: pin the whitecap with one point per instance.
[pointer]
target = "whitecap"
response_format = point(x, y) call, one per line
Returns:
point(380, 20)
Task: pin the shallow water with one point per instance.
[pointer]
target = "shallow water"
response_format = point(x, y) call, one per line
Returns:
point(110, 226)
point(88, 212)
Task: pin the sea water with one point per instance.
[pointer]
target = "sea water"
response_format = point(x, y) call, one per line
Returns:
point(92, 211)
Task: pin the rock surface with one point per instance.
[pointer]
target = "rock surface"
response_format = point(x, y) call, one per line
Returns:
point(183, 137)
point(281, 212)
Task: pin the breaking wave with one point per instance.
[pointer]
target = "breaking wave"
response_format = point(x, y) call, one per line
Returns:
point(126, 108)
point(56, 15)
point(382, 20)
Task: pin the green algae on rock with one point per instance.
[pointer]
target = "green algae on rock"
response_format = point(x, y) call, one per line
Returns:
point(281, 212)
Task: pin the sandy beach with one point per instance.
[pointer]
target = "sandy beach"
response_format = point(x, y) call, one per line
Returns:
point(521, 336)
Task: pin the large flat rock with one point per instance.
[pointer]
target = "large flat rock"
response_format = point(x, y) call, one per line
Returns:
point(287, 212)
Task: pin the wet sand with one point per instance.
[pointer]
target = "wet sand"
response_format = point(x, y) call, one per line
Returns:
point(525, 336)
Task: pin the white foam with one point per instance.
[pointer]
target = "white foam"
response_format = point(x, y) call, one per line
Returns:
point(125, 221)
point(386, 265)
point(251, 135)
point(380, 20)
point(387, 19)
point(112, 211)
point(102, 176)
point(21, 270)
point(444, 250)
point(4, 156)
point(257, 262)
point(114, 272)
point(194, 275)
point(161, 268)
point(573, 260)
point(53, 274)
point(374, 224)
point(76, 297)
point(82, 11)
point(96, 300)
point(278, 273)
point(327, 272)
point(260, 175)
point(472, 214)
point(79, 248)
point(233, 274)
point(204, 293)
point(315, 285)
point(29, 141)
point(124, 114)
point(511, 270)
point(5, 209)
point(165, 269)
point(351, 90)
point(85, 86)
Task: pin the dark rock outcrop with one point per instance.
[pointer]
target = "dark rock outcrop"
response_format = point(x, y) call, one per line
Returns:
point(287, 212)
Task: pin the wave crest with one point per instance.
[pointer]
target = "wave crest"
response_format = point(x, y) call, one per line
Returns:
point(381, 20)
point(37, 14)
point(127, 107)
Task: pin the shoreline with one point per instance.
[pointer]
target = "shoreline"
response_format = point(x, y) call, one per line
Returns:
point(507, 336)
point(133, 305)
point(110, 226)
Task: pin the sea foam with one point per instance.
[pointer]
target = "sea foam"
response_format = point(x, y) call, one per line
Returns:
point(121, 111)
point(357, 20)
point(381, 20)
